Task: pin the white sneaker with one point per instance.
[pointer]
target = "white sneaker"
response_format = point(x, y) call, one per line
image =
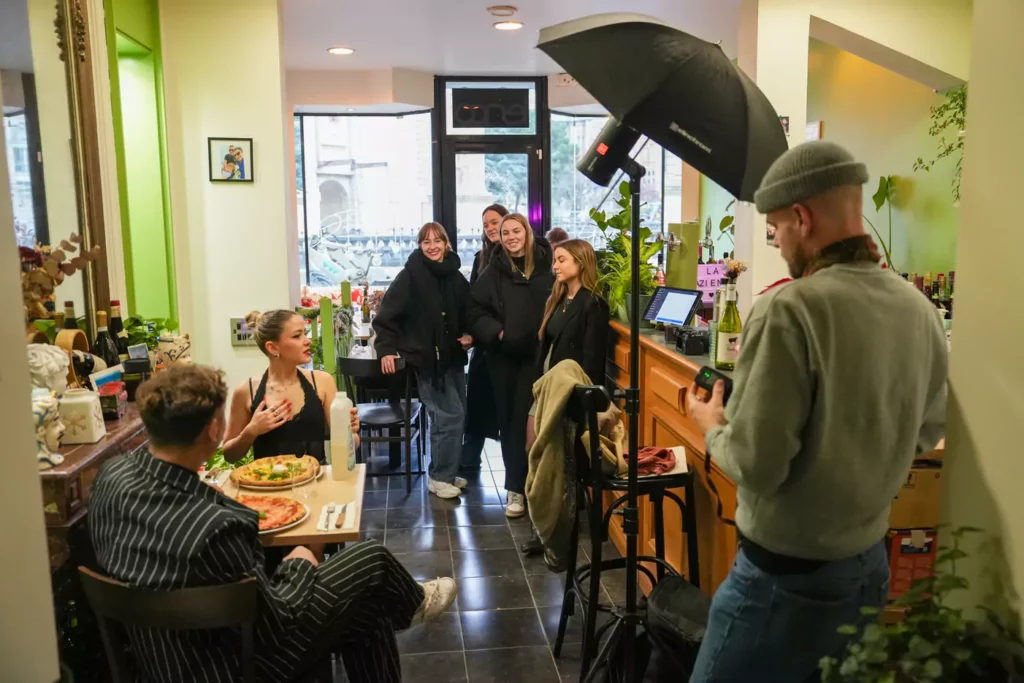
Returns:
point(442, 489)
point(516, 506)
point(438, 595)
point(459, 482)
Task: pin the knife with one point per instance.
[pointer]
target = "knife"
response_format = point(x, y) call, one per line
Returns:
point(341, 516)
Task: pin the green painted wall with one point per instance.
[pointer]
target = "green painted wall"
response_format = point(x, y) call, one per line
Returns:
point(136, 76)
point(883, 118)
point(144, 185)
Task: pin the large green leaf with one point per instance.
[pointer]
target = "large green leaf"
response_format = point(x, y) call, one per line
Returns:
point(881, 194)
point(726, 223)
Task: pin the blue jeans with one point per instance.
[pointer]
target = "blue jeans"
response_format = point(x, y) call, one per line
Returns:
point(446, 408)
point(774, 628)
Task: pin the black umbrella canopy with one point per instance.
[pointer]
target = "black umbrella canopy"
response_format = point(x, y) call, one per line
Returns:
point(678, 90)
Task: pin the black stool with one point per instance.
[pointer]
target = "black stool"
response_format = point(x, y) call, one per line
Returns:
point(583, 408)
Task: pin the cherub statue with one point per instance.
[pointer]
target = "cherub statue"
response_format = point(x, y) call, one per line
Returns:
point(48, 366)
point(49, 430)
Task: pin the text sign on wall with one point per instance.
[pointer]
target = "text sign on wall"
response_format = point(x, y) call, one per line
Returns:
point(709, 277)
point(490, 108)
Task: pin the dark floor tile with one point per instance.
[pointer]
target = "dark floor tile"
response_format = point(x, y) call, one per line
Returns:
point(412, 518)
point(501, 628)
point(547, 589)
point(573, 628)
point(373, 520)
point(401, 499)
point(438, 667)
point(427, 565)
point(535, 565)
point(495, 592)
point(570, 662)
point(419, 482)
point(470, 563)
point(375, 500)
point(480, 495)
point(481, 477)
point(377, 535)
point(416, 540)
point(495, 537)
point(476, 515)
point(512, 665)
point(376, 484)
point(438, 635)
point(614, 582)
point(521, 530)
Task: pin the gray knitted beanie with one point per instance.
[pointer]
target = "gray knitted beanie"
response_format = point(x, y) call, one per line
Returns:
point(805, 171)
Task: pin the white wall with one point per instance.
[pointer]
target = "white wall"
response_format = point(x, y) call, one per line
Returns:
point(28, 639)
point(984, 467)
point(231, 240)
point(934, 32)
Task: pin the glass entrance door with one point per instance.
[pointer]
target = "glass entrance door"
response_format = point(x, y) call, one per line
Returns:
point(484, 174)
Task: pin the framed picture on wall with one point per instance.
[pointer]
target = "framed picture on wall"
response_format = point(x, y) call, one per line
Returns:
point(231, 160)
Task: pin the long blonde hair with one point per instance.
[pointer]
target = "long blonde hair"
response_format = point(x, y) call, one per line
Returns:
point(528, 258)
point(583, 253)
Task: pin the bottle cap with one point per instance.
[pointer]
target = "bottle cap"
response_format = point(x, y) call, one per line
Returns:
point(69, 304)
point(115, 302)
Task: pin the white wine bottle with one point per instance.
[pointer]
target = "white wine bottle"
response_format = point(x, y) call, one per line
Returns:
point(727, 344)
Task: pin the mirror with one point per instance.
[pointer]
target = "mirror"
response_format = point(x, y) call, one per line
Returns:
point(45, 97)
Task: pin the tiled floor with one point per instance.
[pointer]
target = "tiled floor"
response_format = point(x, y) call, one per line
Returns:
point(504, 622)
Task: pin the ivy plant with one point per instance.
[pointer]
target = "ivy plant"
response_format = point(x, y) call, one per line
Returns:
point(935, 642)
point(948, 123)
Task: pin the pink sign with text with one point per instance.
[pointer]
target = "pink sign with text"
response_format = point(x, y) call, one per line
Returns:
point(709, 276)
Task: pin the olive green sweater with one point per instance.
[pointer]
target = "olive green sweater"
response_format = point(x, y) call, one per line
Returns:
point(841, 380)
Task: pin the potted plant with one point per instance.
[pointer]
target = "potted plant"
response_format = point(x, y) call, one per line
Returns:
point(614, 263)
point(936, 642)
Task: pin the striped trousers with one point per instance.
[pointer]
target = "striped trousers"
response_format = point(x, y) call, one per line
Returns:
point(363, 596)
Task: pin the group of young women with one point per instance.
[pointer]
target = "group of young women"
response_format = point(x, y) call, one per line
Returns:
point(526, 308)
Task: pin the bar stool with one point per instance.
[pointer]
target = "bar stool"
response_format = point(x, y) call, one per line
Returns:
point(583, 582)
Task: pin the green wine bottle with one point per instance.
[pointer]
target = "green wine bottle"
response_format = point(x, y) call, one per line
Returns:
point(727, 346)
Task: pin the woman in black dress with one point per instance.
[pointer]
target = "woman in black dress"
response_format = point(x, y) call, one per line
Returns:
point(481, 413)
point(286, 410)
point(508, 305)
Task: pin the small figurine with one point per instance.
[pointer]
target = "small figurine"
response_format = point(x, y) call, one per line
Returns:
point(49, 430)
point(48, 366)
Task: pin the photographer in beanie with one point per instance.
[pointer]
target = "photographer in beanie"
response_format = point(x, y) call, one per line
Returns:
point(841, 381)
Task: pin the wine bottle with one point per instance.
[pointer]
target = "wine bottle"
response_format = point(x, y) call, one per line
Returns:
point(366, 303)
point(700, 256)
point(117, 331)
point(103, 346)
point(727, 346)
point(659, 275)
point(70, 320)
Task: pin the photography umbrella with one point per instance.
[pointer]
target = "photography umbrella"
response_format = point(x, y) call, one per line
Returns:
point(685, 94)
point(678, 90)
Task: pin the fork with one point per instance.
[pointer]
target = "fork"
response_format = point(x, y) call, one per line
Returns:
point(330, 511)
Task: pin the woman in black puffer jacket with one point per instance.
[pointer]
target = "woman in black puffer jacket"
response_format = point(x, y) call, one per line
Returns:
point(423, 319)
point(506, 312)
point(481, 413)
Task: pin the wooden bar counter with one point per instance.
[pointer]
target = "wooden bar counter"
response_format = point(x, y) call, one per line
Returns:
point(665, 375)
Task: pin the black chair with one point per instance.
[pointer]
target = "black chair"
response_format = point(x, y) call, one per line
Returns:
point(231, 605)
point(400, 413)
point(583, 408)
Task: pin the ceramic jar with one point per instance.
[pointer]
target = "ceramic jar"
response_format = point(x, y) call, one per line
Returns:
point(82, 417)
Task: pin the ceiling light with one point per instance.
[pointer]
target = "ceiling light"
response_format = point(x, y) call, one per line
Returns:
point(508, 25)
point(351, 109)
point(340, 50)
point(502, 10)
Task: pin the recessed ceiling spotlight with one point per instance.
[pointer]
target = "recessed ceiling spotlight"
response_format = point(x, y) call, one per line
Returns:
point(508, 25)
point(340, 50)
point(351, 109)
point(503, 10)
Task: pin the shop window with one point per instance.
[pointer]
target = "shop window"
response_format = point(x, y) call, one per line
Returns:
point(364, 190)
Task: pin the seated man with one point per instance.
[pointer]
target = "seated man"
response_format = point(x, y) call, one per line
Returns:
point(155, 525)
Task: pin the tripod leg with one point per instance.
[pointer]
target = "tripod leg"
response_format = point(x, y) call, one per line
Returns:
point(588, 674)
point(593, 599)
point(569, 595)
point(658, 498)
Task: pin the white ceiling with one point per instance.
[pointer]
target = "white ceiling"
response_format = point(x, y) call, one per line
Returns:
point(456, 37)
point(15, 50)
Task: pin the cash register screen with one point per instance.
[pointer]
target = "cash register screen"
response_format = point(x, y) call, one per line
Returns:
point(672, 306)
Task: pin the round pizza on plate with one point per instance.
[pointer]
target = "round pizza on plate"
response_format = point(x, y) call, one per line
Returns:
point(275, 512)
point(279, 471)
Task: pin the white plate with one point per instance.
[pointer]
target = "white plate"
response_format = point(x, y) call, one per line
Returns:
point(283, 487)
point(289, 526)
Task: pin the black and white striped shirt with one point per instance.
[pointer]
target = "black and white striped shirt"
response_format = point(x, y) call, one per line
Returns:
point(156, 525)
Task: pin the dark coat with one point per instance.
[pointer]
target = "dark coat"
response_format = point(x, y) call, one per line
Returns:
point(481, 412)
point(409, 316)
point(584, 338)
point(506, 301)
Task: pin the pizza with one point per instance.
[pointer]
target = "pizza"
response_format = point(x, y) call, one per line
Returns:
point(276, 472)
point(275, 511)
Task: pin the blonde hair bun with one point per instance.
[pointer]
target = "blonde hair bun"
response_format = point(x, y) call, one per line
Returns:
point(253, 320)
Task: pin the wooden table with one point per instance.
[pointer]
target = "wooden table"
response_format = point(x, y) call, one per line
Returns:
point(316, 495)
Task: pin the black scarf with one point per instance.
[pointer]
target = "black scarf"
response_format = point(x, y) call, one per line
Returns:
point(436, 284)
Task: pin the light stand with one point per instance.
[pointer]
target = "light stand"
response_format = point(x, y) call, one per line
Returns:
point(608, 154)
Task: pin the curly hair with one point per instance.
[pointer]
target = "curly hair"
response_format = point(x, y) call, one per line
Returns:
point(177, 404)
